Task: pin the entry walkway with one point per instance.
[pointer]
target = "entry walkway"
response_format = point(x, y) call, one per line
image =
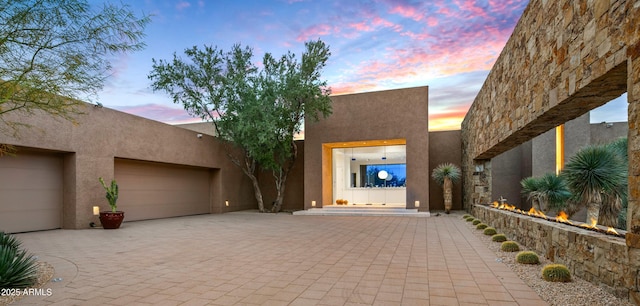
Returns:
point(248, 258)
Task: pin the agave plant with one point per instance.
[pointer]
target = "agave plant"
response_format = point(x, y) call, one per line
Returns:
point(445, 175)
point(9, 240)
point(595, 174)
point(18, 269)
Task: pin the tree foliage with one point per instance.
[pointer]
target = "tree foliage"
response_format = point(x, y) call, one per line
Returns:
point(54, 53)
point(256, 110)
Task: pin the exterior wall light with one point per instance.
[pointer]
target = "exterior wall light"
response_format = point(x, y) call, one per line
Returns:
point(226, 203)
point(96, 210)
point(313, 203)
point(416, 203)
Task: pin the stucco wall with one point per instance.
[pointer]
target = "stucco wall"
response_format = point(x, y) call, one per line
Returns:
point(444, 147)
point(391, 114)
point(101, 135)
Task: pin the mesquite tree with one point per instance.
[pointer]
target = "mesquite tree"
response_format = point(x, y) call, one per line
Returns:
point(256, 111)
point(54, 53)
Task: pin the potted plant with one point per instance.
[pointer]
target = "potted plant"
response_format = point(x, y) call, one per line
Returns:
point(111, 219)
point(446, 174)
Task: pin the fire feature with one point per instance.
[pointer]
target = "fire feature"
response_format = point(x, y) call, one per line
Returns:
point(562, 217)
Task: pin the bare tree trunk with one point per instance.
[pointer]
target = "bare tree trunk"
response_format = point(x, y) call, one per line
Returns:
point(448, 194)
point(257, 192)
point(281, 179)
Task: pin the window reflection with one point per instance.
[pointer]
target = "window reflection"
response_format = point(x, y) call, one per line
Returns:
point(370, 175)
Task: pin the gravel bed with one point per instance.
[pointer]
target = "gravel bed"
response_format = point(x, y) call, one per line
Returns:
point(577, 292)
point(45, 273)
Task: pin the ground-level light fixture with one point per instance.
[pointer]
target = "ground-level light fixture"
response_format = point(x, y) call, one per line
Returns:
point(313, 203)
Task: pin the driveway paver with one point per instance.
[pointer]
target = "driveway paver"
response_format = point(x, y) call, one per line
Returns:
point(249, 258)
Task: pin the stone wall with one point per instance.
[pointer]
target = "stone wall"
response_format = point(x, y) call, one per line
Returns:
point(595, 257)
point(563, 59)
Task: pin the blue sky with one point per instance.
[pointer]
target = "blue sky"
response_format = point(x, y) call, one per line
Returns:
point(449, 45)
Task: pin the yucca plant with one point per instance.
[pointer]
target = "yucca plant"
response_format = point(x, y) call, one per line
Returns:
point(18, 269)
point(445, 175)
point(9, 240)
point(530, 187)
point(553, 192)
point(595, 171)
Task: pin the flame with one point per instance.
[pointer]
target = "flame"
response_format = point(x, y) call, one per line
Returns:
point(509, 207)
point(536, 213)
point(611, 230)
point(592, 225)
point(496, 204)
point(563, 217)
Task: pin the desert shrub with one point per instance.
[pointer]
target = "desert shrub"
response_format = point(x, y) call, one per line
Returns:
point(489, 231)
point(476, 222)
point(481, 226)
point(528, 257)
point(509, 246)
point(499, 238)
point(17, 268)
point(556, 273)
point(9, 240)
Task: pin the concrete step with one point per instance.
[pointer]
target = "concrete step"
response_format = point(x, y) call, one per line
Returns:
point(377, 211)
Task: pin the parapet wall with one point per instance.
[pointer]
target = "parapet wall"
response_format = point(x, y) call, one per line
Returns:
point(595, 257)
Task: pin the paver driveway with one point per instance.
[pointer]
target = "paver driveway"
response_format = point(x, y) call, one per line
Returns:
point(265, 259)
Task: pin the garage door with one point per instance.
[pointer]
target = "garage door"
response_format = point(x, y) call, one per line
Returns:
point(30, 192)
point(153, 190)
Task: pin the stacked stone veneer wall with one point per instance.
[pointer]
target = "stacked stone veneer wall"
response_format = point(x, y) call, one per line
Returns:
point(595, 257)
point(563, 59)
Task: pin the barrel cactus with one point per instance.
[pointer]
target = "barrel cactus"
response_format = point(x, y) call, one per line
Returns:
point(556, 273)
point(499, 238)
point(481, 226)
point(466, 216)
point(476, 222)
point(528, 257)
point(509, 246)
point(489, 231)
point(470, 219)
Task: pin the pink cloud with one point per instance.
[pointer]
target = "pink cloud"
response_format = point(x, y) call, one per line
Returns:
point(182, 5)
point(314, 32)
point(407, 12)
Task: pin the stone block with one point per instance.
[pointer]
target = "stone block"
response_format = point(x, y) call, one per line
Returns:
point(633, 240)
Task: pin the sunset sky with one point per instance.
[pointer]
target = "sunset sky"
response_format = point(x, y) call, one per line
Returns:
point(449, 45)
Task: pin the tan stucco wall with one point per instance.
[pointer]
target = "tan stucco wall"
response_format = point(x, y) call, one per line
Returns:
point(444, 147)
point(101, 135)
point(391, 114)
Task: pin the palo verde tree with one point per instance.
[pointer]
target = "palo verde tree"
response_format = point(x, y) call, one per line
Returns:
point(54, 53)
point(255, 111)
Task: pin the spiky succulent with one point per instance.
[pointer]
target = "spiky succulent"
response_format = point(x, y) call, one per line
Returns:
point(18, 269)
point(556, 273)
point(528, 257)
point(481, 226)
point(509, 246)
point(499, 238)
point(489, 231)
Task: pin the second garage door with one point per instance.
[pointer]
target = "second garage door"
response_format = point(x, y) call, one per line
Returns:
point(153, 190)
